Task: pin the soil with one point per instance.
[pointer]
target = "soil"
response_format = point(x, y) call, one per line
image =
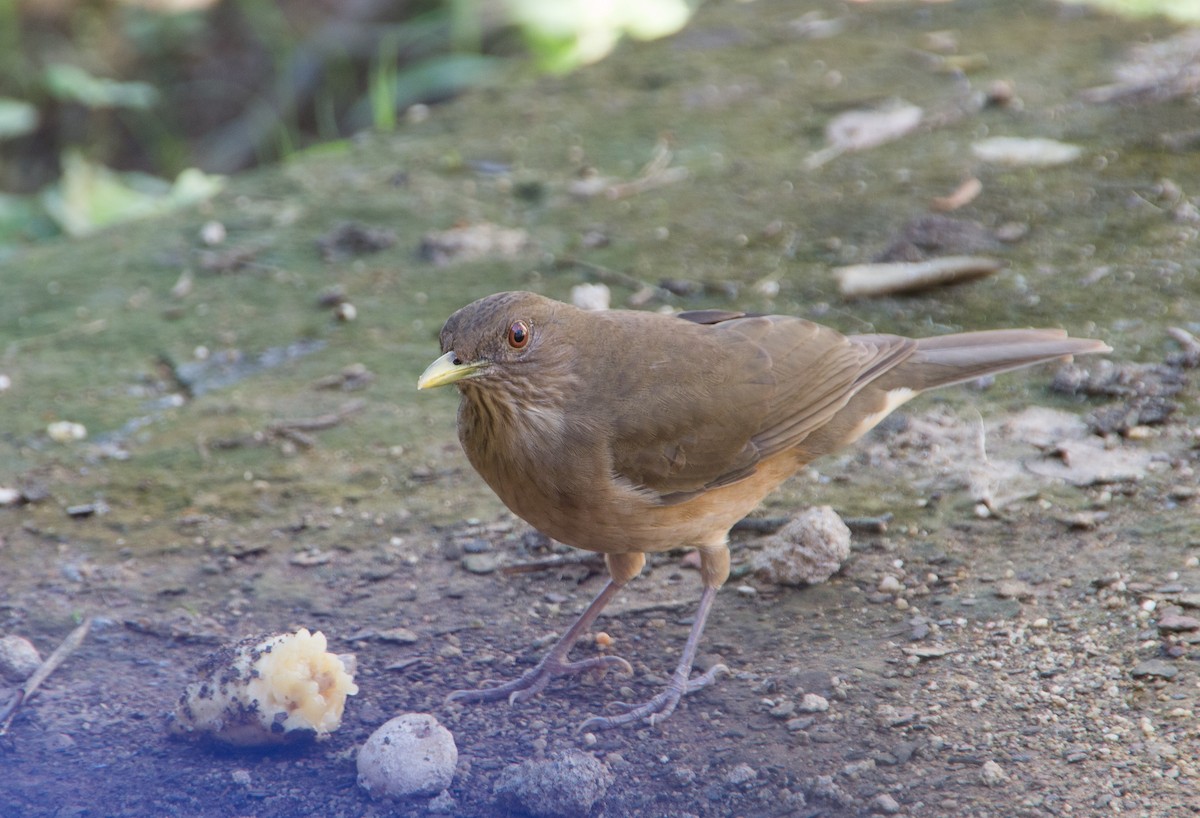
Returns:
point(1009, 656)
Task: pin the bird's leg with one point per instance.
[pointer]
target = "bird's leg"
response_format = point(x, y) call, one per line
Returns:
point(623, 567)
point(680, 685)
point(714, 570)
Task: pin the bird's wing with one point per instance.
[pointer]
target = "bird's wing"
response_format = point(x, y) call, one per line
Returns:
point(768, 383)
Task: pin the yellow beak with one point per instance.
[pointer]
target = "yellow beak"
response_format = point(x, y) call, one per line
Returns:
point(444, 371)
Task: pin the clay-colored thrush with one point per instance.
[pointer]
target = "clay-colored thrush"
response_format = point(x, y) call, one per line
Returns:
point(628, 432)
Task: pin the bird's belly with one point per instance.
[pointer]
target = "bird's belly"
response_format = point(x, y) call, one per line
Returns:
point(620, 519)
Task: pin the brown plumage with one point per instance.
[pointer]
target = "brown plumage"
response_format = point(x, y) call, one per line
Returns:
point(628, 432)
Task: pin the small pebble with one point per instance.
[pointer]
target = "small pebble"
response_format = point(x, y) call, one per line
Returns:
point(591, 296)
point(885, 804)
point(1156, 668)
point(481, 563)
point(64, 431)
point(783, 710)
point(1175, 623)
point(813, 703)
point(443, 804)
point(809, 549)
point(992, 774)
point(566, 785)
point(890, 585)
point(740, 775)
point(18, 658)
point(1013, 589)
point(408, 756)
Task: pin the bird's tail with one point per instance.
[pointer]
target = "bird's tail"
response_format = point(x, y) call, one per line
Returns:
point(948, 359)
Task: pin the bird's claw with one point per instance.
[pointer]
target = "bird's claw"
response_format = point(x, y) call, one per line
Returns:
point(535, 680)
point(658, 708)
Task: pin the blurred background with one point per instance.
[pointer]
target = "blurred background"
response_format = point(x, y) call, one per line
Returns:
point(159, 88)
point(115, 109)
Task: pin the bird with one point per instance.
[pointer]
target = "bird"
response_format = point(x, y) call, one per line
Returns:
point(630, 432)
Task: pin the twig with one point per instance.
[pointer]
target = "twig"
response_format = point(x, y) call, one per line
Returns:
point(769, 525)
point(26, 691)
point(550, 563)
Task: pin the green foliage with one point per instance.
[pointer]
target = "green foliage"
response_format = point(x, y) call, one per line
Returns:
point(565, 34)
point(1185, 11)
point(71, 83)
point(17, 118)
point(245, 81)
point(90, 196)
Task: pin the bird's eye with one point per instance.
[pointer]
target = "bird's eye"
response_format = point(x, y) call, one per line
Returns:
point(518, 335)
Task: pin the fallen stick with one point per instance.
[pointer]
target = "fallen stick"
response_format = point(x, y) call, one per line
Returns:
point(9, 711)
point(867, 280)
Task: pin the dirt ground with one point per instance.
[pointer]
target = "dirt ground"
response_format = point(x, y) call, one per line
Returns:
point(1021, 658)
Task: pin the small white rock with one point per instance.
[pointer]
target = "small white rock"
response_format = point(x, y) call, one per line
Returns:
point(64, 431)
point(812, 703)
point(591, 296)
point(5, 382)
point(345, 311)
point(1017, 152)
point(408, 756)
point(9, 497)
point(18, 658)
point(885, 804)
point(992, 774)
point(809, 549)
point(212, 233)
point(890, 585)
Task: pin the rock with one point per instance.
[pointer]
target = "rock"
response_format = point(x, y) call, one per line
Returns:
point(65, 431)
point(1025, 152)
point(740, 775)
point(890, 585)
point(783, 710)
point(443, 804)
point(1154, 668)
point(809, 549)
point(812, 703)
point(472, 242)
point(18, 658)
point(885, 803)
point(1013, 589)
point(411, 755)
point(1176, 623)
point(591, 296)
point(566, 785)
point(992, 774)
point(481, 563)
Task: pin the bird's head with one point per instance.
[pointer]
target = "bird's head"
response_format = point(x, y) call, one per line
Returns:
point(494, 339)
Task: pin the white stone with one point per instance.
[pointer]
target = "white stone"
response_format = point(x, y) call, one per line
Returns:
point(18, 658)
point(411, 755)
point(809, 549)
point(591, 296)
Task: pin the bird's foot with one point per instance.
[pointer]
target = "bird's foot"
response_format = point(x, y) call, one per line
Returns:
point(661, 706)
point(535, 680)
